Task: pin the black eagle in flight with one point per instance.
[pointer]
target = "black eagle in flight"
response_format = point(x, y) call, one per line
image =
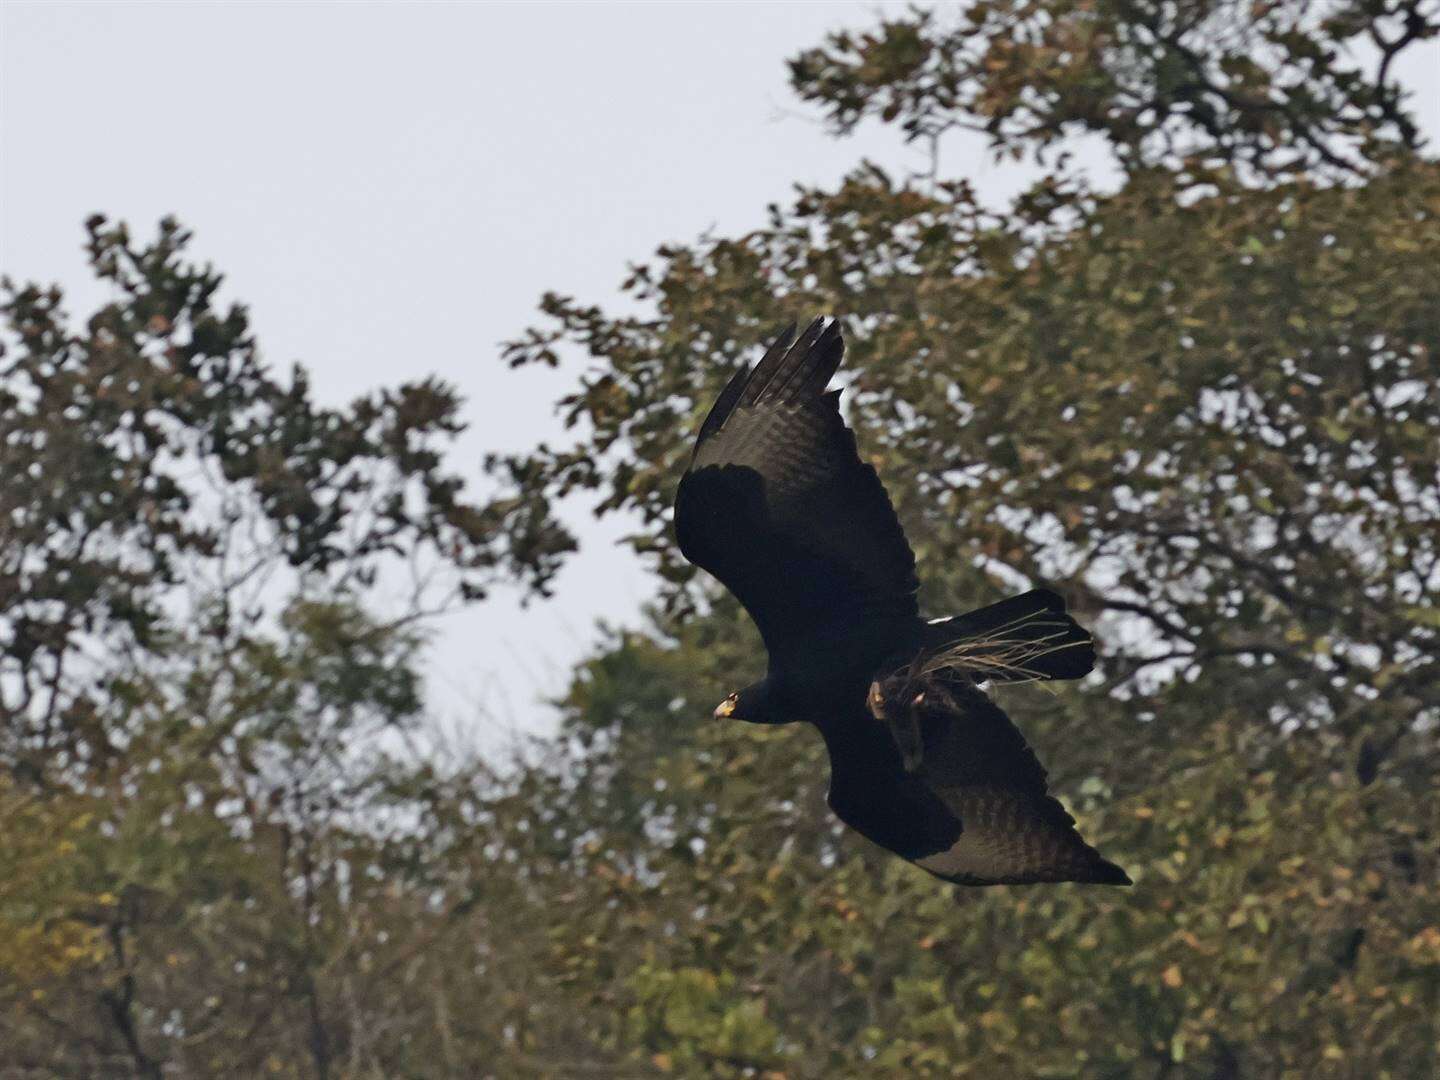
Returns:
point(778, 505)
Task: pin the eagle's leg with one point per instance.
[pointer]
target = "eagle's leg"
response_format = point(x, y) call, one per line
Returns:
point(903, 722)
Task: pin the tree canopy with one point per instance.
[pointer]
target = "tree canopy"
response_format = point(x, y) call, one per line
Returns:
point(1203, 401)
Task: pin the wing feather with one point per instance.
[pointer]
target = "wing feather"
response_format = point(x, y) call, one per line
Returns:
point(1013, 831)
point(966, 797)
point(778, 505)
point(735, 388)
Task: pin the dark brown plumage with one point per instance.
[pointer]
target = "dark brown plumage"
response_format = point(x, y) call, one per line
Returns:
point(778, 505)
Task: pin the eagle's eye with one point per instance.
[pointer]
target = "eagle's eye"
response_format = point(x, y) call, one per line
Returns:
point(727, 707)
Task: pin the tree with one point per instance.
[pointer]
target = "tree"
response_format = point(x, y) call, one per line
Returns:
point(214, 819)
point(1206, 406)
point(1204, 403)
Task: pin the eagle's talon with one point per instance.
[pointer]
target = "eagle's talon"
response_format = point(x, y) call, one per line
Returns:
point(876, 702)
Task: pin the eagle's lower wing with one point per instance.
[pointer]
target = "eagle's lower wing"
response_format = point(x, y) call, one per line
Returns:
point(955, 744)
point(778, 505)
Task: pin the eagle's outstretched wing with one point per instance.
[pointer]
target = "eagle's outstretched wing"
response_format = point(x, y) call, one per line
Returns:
point(778, 505)
point(962, 759)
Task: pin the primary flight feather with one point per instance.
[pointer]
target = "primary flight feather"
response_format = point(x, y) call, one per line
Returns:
point(779, 507)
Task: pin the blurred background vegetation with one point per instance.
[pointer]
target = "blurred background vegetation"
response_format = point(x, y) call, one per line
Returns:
point(1204, 402)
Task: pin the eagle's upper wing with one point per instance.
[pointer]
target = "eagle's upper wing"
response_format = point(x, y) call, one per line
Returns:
point(778, 505)
point(963, 759)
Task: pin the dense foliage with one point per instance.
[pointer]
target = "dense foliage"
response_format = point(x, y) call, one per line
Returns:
point(1204, 403)
point(205, 710)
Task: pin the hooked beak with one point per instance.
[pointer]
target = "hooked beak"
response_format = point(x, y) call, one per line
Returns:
point(726, 708)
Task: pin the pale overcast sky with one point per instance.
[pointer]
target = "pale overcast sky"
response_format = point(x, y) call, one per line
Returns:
point(391, 187)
